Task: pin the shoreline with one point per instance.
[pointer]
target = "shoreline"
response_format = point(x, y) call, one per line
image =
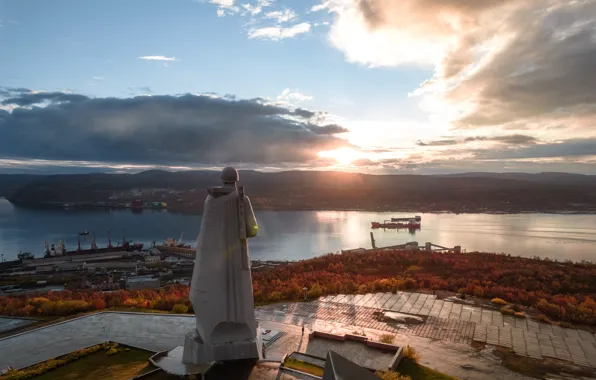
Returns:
point(257, 208)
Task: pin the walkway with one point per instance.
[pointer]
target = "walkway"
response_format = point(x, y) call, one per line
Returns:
point(445, 321)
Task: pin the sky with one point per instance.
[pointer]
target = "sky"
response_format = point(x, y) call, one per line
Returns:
point(374, 86)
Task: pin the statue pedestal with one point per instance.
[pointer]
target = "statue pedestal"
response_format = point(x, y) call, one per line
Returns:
point(197, 352)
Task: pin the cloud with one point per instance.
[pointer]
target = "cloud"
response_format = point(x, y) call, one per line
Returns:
point(281, 16)
point(277, 33)
point(161, 130)
point(97, 78)
point(508, 139)
point(331, 129)
point(319, 7)
point(495, 61)
point(293, 96)
point(561, 149)
point(257, 8)
point(32, 98)
point(437, 143)
point(158, 58)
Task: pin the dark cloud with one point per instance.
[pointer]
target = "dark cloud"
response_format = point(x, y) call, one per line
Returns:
point(304, 113)
point(508, 139)
point(566, 148)
point(40, 97)
point(437, 143)
point(169, 130)
point(12, 91)
point(330, 129)
point(544, 72)
point(511, 139)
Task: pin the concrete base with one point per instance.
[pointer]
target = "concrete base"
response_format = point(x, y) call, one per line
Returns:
point(171, 362)
point(196, 352)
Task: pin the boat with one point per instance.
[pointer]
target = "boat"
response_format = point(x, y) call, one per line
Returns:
point(412, 224)
point(171, 245)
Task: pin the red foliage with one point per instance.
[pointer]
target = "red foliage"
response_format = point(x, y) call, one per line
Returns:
point(563, 291)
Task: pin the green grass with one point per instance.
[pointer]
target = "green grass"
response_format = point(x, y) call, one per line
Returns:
point(121, 366)
point(419, 372)
point(304, 367)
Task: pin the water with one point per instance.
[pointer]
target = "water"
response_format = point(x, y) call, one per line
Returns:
point(295, 235)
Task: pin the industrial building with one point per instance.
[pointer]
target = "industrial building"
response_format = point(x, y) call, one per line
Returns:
point(141, 282)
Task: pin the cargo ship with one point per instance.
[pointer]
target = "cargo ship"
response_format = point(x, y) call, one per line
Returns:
point(60, 249)
point(412, 224)
point(170, 245)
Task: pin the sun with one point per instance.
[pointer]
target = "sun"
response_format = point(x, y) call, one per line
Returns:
point(343, 156)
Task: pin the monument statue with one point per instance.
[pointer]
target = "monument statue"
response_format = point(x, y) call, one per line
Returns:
point(221, 286)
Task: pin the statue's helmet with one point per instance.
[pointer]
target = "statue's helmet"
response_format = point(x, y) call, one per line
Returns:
point(229, 175)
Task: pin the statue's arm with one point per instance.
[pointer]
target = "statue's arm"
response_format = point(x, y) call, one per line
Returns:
point(251, 222)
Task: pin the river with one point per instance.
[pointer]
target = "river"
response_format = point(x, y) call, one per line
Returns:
point(295, 235)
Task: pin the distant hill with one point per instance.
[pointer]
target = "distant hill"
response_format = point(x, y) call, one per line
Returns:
point(9, 183)
point(316, 190)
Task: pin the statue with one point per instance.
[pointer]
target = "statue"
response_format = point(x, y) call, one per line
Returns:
point(221, 286)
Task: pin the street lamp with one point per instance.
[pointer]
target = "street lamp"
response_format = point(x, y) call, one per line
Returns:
point(304, 289)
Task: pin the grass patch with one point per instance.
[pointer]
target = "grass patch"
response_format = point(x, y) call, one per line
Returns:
point(419, 372)
point(119, 366)
point(303, 366)
point(103, 361)
point(387, 338)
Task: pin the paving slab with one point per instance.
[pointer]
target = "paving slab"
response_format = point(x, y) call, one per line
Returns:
point(509, 320)
point(480, 333)
point(571, 333)
point(492, 335)
point(381, 301)
point(476, 316)
point(455, 311)
point(586, 335)
point(518, 342)
point(561, 348)
point(533, 325)
point(497, 318)
point(364, 299)
point(545, 328)
point(409, 303)
point(436, 308)
point(427, 307)
point(520, 323)
point(418, 304)
point(505, 337)
point(558, 331)
point(401, 301)
point(546, 345)
point(590, 352)
point(466, 313)
point(446, 310)
point(392, 300)
point(576, 351)
point(487, 317)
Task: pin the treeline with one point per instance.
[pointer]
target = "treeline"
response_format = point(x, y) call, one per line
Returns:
point(564, 291)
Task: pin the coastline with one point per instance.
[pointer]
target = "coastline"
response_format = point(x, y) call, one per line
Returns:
point(181, 209)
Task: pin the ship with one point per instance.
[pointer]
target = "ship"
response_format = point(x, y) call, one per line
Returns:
point(412, 224)
point(173, 246)
point(54, 250)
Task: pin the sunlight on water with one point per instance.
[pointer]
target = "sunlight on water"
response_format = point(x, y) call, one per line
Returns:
point(295, 235)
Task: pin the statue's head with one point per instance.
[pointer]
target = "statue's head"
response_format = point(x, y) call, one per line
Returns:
point(229, 176)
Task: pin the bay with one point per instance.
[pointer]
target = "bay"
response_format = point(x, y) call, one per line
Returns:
point(296, 235)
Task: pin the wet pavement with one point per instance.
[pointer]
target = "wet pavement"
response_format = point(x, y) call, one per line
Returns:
point(9, 323)
point(444, 321)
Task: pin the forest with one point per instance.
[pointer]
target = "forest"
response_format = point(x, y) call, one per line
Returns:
point(563, 291)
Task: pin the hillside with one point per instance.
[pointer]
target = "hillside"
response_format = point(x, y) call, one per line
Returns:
point(312, 190)
point(9, 183)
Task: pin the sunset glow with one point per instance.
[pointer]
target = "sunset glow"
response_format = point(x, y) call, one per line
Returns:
point(343, 156)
